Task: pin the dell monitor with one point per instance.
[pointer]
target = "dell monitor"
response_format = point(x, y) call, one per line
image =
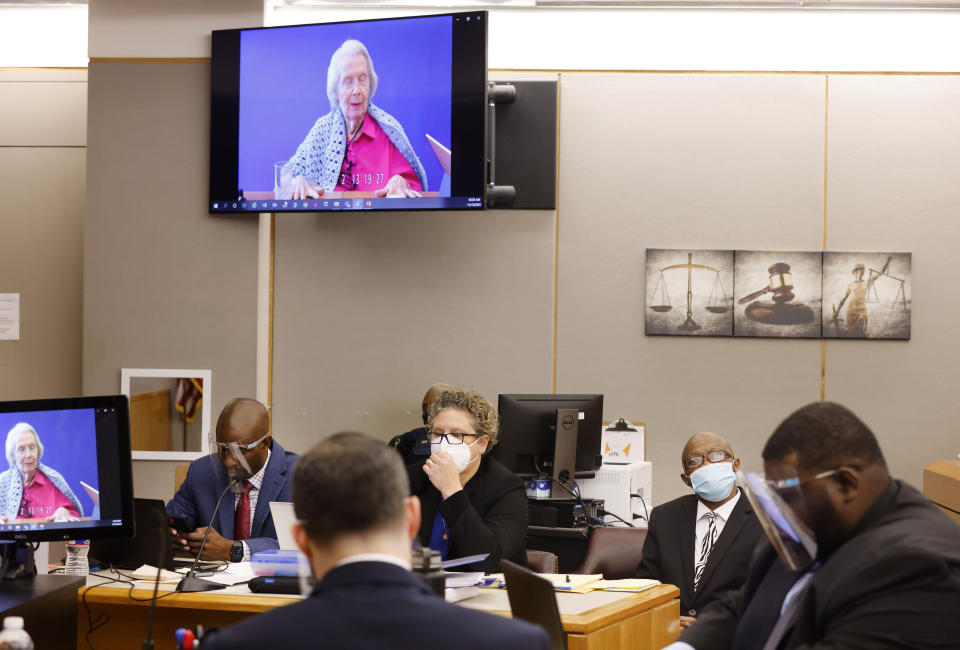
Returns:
point(383, 114)
point(67, 473)
point(530, 445)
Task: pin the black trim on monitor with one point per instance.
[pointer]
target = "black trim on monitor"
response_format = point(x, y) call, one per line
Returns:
point(112, 413)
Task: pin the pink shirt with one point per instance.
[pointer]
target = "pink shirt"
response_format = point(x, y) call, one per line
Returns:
point(41, 498)
point(371, 160)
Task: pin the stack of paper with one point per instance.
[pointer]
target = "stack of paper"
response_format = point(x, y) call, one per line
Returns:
point(629, 584)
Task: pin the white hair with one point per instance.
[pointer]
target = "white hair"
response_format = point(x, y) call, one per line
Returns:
point(350, 46)
point(14, 433)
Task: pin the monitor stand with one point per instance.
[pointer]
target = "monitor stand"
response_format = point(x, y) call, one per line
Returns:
point(18, 559)
point(565, 445)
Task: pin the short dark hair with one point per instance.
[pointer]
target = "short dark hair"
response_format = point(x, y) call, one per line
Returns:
point(348, 483)
point(824, 435)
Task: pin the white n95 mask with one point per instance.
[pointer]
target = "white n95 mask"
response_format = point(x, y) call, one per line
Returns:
point(460, 453)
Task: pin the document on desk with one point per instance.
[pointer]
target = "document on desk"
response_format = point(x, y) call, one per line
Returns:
point(233, 574)
point(628, 584)
point(573, 582)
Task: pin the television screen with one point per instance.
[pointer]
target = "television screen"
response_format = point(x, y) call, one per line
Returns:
point(67, 473)
point(369, 115)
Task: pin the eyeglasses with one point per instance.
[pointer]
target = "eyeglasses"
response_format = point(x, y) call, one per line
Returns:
point(715, 456)
point(795, 481)
point(224, 447)
point(451, 438)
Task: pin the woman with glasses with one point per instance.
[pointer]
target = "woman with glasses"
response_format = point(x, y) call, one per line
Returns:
point(471, 504)
point(357, 145)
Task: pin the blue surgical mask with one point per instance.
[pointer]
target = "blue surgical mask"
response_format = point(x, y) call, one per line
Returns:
point(713, 482)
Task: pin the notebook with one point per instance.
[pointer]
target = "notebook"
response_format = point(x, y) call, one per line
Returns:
point(533, 599)
point(283, 520)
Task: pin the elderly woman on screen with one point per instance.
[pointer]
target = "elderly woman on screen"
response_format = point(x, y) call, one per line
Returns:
point(30, 489)
point(357, 145)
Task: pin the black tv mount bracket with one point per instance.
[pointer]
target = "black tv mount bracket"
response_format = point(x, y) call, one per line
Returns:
point(497, 94)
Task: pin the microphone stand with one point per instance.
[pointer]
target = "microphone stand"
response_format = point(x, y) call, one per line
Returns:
point(148, 641)
point(190, 582)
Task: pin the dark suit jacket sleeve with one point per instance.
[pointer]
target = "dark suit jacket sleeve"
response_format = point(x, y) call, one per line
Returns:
point(650, 566)
point(183, 503)
point(716, 624)
point(501, 531)
point(904, 600)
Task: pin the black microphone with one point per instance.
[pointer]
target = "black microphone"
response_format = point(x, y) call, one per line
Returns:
point(190, 582)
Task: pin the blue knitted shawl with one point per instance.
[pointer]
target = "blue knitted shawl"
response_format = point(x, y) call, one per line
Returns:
point(11, 490)
point(320, 156)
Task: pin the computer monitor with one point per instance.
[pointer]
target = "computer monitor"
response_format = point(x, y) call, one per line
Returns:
point(529, 444)
point(68, 472)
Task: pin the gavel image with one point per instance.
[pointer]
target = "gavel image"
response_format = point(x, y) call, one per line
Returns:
point(781, 284)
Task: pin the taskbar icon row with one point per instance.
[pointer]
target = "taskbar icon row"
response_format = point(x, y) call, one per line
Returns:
point(312, 204)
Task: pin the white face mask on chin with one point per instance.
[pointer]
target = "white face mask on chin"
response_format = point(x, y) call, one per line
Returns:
point(460, 453)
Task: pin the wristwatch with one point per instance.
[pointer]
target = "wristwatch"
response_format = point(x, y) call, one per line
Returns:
point(236, 552)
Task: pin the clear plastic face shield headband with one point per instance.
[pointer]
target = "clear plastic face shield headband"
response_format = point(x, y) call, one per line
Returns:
point(779, 503)
point(231, 458)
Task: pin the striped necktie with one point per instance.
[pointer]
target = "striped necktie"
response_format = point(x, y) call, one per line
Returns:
point(705, 547)
point(241, 520)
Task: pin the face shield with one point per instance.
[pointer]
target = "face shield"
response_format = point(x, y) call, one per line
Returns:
point(779, 504)
point(232, 460)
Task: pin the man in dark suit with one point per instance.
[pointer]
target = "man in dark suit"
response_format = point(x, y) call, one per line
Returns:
point(702, 542)
point(245, 451)
point(885, 568)
point(356, 524)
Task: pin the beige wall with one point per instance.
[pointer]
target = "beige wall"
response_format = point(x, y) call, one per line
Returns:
point(42, 170)
point(371, 308)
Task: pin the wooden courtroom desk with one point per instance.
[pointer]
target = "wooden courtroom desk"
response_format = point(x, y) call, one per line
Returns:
point(634, 621)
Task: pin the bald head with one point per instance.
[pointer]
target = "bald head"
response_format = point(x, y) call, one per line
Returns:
point(701, 444)
point(242, 420)
point(431, 396)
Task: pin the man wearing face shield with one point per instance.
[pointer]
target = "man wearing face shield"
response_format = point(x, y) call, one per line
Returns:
point(702, 542)
point(258, 470)
point(858, 559)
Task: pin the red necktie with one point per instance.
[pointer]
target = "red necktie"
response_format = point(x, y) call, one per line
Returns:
point(241, 521)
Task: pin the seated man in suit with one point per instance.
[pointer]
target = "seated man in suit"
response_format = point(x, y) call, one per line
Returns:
point(356, 524)
point(413, 445)
point(702, 542)
point(244, 524)
point(883, 570)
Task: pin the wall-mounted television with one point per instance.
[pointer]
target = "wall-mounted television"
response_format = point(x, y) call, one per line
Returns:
point(366, 115)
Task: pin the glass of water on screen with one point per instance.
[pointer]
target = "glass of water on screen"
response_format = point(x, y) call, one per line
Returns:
point(282, 181)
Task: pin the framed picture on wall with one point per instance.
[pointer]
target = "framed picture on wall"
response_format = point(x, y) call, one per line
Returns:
point(688, 292)
point(778, 293)
point(867, 295)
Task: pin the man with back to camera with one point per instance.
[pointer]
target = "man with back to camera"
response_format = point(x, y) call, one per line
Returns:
point(413, 445)
point(702, 542)
point(244, 524)
point(885, 572)
point(356, 524)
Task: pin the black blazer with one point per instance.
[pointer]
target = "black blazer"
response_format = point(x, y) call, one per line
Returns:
point(372, 606)
point(894, 584)
point(668, 552)
point(489, 515)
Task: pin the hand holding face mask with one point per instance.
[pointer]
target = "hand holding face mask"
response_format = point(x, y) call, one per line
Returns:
point(445, 465)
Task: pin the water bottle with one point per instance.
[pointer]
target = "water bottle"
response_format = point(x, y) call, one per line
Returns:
point(13, 636)
point(77, 563)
